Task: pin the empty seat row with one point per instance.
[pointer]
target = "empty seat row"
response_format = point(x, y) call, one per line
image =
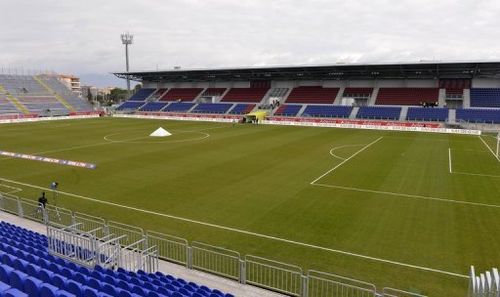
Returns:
point(312, 94)
point(142, 94)
point(181, 94)
point(289, 110)
point(491, 116)
point(427, 114)
point(245, 95)
point(485, 97)
point(242, 108)
point(212, 108)
point(327, 111)
point(407, 96)
point(379, 112)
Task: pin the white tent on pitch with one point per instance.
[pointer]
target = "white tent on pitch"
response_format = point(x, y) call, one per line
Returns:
point(160, 132)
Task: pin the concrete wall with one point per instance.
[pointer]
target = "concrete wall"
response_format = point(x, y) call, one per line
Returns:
point(485, 83)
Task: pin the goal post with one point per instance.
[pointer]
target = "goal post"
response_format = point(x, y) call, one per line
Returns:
point(497, 151)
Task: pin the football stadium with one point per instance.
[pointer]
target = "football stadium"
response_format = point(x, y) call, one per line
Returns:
point(328, 180)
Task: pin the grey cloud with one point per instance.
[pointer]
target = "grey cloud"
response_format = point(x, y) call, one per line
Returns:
point(82, 37)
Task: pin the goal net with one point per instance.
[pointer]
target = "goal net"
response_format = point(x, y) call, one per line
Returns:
point(492, 141)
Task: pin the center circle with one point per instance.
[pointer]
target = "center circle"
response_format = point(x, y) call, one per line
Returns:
point(142, 137)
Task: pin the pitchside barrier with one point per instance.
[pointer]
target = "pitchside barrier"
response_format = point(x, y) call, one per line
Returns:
point(90, 241)
point(485, 284)
point(306, 122)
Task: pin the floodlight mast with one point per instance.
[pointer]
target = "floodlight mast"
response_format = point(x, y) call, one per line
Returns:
point(127, 39)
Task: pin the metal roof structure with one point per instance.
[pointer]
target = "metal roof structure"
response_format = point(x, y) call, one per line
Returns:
point(420, 70)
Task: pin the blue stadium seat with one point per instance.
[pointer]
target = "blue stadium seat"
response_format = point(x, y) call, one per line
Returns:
point(47, 290)
point(142, 94)
point(485, 97)
point(288, 110)
point(32, 286)
point(479, 115)
point(179, 107)
point(4, 287)
point(218, 108)
point(43, 275)
point(14, 293)
point(327, 111)
point(427, 114)
point(380, 113)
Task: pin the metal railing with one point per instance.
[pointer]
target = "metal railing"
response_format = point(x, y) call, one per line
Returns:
point(486, 284)
point(330, 285)
point(170, 248)
point(390, 292)
point(73, 245)
point(278, 276)
point(91, 224)
point(132, 234)
point(214, 259)
point(91, 241)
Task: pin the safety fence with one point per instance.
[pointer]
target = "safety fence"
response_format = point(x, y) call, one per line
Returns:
point(90, 241)
point(486, 284)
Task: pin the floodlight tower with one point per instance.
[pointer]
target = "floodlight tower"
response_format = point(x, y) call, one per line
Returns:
point(127, 39)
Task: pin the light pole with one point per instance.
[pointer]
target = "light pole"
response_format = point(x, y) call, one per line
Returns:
point(127, 39)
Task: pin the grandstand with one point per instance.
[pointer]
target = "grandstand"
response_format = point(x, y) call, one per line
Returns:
point(451, 92)
point(40, 95)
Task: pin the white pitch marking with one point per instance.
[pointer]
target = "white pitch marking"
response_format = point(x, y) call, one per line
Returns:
point(332, 151)
point(449, 159)
point(100, 143)
point(346, 160)
point(477, 174)
point(408, 195)
point(492, 152)
point(248, 232)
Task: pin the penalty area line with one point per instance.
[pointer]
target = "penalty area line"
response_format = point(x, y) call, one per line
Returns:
point(407, 195)
point(449, 159)
point(308, 245)
point(489, 148)
point(346, 160)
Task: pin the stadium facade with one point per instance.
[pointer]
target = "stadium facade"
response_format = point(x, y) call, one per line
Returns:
point(447, 92)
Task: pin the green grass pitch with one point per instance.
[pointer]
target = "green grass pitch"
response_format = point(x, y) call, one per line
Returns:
point(383, 207)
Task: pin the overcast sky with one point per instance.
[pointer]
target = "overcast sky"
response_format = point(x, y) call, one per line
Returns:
point(83, 37)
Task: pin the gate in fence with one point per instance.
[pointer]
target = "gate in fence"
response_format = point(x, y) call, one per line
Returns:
point(72, 244)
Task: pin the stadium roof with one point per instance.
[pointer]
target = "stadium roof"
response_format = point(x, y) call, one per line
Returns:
point(421, 70)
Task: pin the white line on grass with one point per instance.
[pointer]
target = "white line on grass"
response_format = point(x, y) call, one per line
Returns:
point(346, 160)
point(247, 232)
point(492, 152)
point(332, 151)
point(477, 174)
point(408, 195)
point(449, 159)
point(99, 144)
